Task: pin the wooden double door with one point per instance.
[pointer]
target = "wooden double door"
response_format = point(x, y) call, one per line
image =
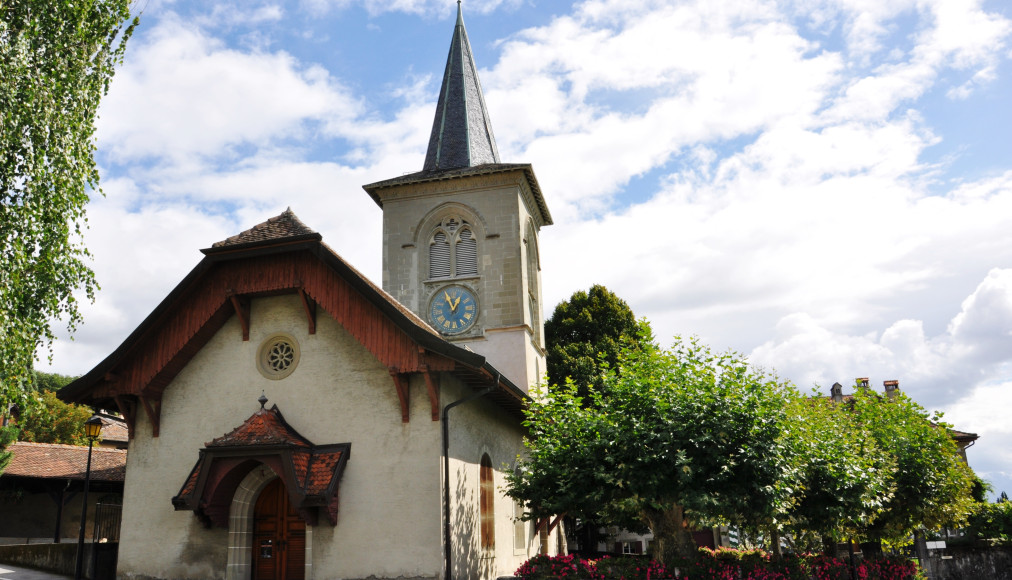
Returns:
point(279, 536)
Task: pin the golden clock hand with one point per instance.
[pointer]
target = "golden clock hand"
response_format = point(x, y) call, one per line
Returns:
point(456, 303)
point(448, 299)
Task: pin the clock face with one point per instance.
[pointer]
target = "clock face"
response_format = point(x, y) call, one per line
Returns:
point(453, 309)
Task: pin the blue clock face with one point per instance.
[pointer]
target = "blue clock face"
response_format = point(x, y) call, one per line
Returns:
point(453, 310)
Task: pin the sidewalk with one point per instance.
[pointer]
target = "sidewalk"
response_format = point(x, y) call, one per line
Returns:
point(8, 572)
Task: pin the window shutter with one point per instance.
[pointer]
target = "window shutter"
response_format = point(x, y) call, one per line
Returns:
point(486, 504)
point(439, 256)
point(467, 254)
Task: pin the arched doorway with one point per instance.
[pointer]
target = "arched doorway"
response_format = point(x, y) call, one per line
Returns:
point(279, 536)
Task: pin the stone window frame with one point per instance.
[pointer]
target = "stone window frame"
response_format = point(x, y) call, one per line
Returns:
point(264, 362)
point(437, 222)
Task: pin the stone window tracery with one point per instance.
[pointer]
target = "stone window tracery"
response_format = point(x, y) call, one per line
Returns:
point(453, 249)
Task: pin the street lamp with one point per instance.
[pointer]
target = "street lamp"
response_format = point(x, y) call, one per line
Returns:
point(92, 429)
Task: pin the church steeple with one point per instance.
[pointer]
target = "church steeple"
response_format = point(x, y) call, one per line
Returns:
point(461, 131)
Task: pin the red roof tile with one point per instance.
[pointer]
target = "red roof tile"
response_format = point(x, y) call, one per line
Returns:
point(49, 461)
point(283, 226)
point(265, 427)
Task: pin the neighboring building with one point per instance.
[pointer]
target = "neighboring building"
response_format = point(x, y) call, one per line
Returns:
point(287, 416)
point(41, 492)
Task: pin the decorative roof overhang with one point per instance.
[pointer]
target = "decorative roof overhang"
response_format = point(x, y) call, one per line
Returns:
point(378, 189)
point(311, 473)
point(277, 257)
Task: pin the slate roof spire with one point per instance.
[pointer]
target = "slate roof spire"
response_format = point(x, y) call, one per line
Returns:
point(461, 132)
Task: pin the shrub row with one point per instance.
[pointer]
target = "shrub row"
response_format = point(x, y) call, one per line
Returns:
point(720, 564)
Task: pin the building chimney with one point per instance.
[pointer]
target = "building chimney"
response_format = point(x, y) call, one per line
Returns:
point(862, 382)
point(836, 392)
point(892, 387)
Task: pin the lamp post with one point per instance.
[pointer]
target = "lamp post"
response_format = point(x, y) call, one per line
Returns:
point(92, 428)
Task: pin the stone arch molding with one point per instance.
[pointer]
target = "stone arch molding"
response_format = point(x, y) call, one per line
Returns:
point(239, 564)
point(432, 219)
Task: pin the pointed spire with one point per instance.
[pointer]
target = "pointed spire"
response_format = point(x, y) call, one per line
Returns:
point(461, 132)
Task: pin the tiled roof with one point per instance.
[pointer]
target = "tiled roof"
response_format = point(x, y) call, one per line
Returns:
point(461, 131)
point(114, 430)
point(281, 227)
point(309, 471)
point(50, 461)
point(265, 427)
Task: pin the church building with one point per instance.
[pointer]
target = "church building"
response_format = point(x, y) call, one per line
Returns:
point(290, 419)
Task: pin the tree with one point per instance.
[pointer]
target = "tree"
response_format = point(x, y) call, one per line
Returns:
point(932, 484)
point(842, 477)
point(56, 61)
point(50, 420)
point(584, 333)
point(674, 436)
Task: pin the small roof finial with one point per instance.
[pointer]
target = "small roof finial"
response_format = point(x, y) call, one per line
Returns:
point(262, 400)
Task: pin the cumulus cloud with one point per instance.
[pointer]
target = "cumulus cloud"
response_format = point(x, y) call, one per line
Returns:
point(760, 173)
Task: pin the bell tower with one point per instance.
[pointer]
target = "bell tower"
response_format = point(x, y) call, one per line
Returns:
point(460, 237)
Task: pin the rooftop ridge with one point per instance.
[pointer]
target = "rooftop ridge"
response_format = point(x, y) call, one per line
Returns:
point(285, 225)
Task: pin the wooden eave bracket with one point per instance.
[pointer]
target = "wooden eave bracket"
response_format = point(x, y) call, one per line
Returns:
point(433, 387)
point(127, 408)
point(401, 383)
point(242, 310)
point(309, 305)
point(153, 409)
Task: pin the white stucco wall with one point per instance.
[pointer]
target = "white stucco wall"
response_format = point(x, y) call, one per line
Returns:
point(477, 428)
point(390, 521)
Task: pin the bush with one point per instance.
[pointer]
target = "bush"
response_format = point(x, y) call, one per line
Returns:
point(992, 521)
point(720, 564)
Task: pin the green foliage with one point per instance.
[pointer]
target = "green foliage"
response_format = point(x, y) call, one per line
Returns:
point(8, 435)
point(585, 335)
point(932, 485)
point(51, 381)
point(991, 521)
point(51, 420)
point(842, 477)
point(671, 431)
point(56, 61)
point(720, 564)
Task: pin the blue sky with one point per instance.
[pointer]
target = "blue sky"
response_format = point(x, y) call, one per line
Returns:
point(825, 186)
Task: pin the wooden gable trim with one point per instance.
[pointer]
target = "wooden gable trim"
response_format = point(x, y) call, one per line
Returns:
point(128, 408)
point(226, 289)
point(402, 385)
point(432, 386)
point(241, 304)
point(309, 305)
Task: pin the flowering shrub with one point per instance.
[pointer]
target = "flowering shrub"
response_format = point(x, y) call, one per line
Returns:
point(720, 564)
point(542, 567)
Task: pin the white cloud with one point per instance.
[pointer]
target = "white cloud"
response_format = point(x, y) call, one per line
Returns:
point(182, 93)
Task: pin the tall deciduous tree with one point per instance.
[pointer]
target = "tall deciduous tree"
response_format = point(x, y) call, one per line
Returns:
point(932, 484)
point(842, 478)
point(56, 61)
point(50, 420)
point(678, 435)
point(589, 329)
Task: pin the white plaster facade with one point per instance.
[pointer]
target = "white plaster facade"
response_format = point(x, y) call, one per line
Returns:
point(390, 519)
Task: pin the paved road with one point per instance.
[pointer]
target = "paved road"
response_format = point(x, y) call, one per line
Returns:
point(8, 572)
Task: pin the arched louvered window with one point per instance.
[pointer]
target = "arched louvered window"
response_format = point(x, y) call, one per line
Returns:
point(486, 503)
point(533, 285)
point(467, 253)
point(439, 256)
point(453, 250)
